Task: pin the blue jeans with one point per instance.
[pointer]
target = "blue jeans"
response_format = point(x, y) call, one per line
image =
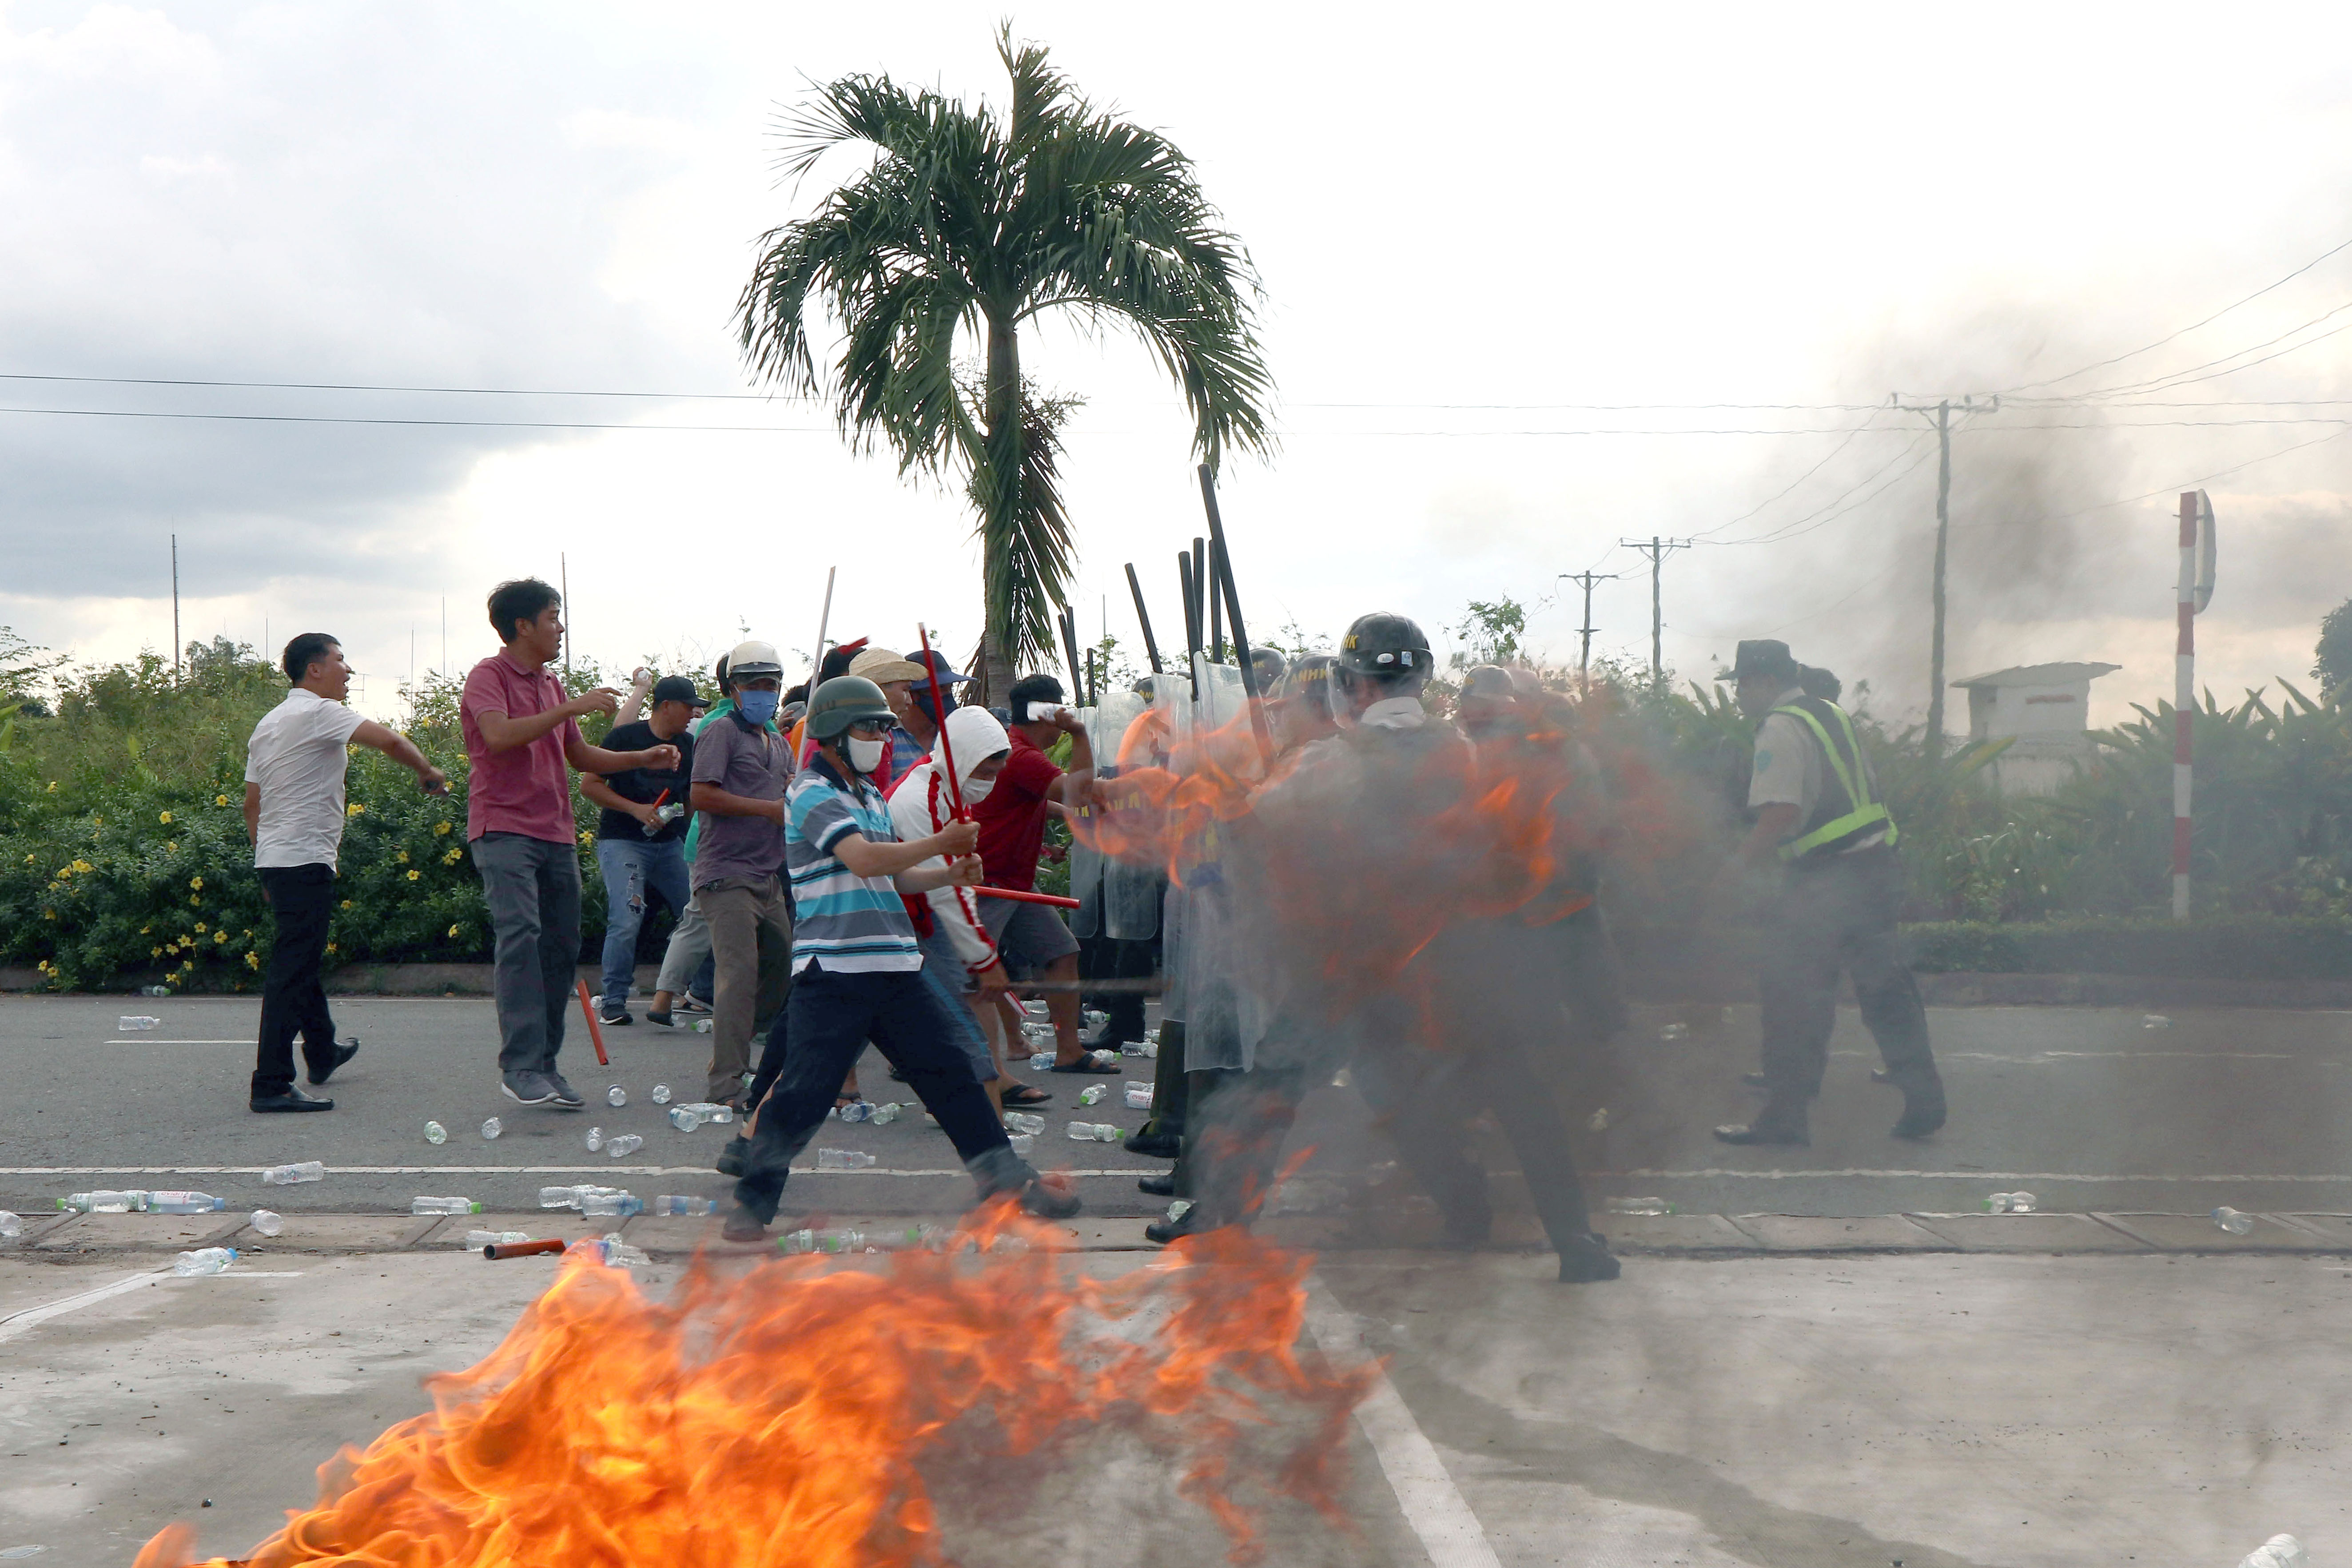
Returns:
point(632, 869)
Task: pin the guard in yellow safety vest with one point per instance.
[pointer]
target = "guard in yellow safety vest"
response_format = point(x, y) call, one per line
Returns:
point(1819, 820)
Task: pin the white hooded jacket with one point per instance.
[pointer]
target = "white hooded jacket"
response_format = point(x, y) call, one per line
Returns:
point(923, 805)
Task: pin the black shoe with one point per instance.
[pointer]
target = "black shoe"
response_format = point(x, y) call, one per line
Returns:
point(1158, 1186)
point(1107, 1038)
point(1164, 1231)
point(1042, 1200)
point(1923, 1109)
point(743, 1226)
point(344, 1051)
point(1778, 1122)
point(292, 1100)
point(731, 1158)
point(1158, 1145)
point(1587, 1260)
point(659, 1018)
point(612, 1019)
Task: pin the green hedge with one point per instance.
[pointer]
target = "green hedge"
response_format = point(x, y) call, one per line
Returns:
point(2229, 947)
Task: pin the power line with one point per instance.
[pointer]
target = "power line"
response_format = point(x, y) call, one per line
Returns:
point(1835, 508)
point(2171, 379)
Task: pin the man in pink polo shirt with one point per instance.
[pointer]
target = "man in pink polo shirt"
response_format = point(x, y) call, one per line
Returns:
point(521, 731)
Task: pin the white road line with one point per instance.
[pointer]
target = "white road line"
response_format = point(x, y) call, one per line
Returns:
point(1432, 1505)
point(487, 1171)
point(18, 1322)
point(151, 1041)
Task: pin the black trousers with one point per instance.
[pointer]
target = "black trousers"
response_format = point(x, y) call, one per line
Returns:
point(301, 902)
point(831, 1016)
point(1838, 916)
point(1110, 958)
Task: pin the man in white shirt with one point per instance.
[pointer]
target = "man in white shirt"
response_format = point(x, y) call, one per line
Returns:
point(294, 814)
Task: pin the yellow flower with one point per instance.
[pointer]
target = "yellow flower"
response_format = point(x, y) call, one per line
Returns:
point(28, 859)
point(331, 947)
point(98, 822)
point(219, 937)
point(440, 830)
point(197, 882)
point(220, 800)
point(48, 914)
point(171, 847)
point(84, 866)
point(144, 929)
point(347, 903)
point(452, 857)
point(253, 960)
point(164, 817)
point(53, 786)
point(195, 902)
point(355, 808)
point(200, 928)
point(413, 875)
point(154, 952)
point(587, 840)
point(453, 930)
point(401, 856)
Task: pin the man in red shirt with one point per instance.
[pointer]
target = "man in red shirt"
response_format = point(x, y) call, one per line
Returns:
point(1032, 938)
point(521, 731)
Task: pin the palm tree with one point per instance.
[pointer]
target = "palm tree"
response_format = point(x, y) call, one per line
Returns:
point(968, 222)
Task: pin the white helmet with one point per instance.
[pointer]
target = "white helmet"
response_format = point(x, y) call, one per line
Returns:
point(753, 658)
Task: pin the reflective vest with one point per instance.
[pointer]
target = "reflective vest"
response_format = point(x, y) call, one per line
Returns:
point(1851, 814)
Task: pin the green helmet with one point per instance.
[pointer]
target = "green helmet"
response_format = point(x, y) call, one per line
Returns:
point(842, 701)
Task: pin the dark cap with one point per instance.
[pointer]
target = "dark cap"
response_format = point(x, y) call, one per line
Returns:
point(1764, 656)
point(678, 688)
point(940, 673)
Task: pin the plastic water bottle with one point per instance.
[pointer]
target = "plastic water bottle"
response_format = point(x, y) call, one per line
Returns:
point(564, 1198)
point(843, 1159)
point(154, 991)
point(611, 1204)
point(2278, 1552)
point(1024, 1121)
point(619, 1254)
point(1139, 1097)
point(100, 1203)
point(2010, 1203)
point(702, 1026)
point(1024, 1144)
point(661, 1094)
point(683, 1119)
point(859, 1110)
point(443, 1205)
point(1092, 1094)
point(132, 1023)
point(886, 1113)
point(184, 1203)
point(1675, 1032)
point(626, 1143)
point(1149, 1050)
point(478, 1239)
point(287, 1175)
point(2233, 1222)
point(209, 1260)
point(492, 1128)
point(2154, 1021)
point(669, 1204)
point(595, 1139)
point(265, 1222)
point(1041, 1061)
point(435, 1134)
point(1178, 1209)
point(616, 1097)
point(1092, 1132)
point(11, 1226)
point(1640, 1206)
point(718, 1115)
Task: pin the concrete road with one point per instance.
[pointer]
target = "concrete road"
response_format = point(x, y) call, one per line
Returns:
point(2090, 1108)
point(1787, 1413)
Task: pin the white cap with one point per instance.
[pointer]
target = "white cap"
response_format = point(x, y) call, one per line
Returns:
point(753, 657)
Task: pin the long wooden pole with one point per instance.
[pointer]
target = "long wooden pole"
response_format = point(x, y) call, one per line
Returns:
point(2184, 703)
point(1221, 568)
point(1143, 617)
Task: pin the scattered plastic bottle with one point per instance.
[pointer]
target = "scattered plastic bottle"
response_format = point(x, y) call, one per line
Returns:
point(569, 1197)
point(108, 1201)
point(843, 1160)
point(1640, 1206)
point(184, 1203)
point(1178, 1209)
point(266, 1221)
point(1598, 1122)
point(859, 1110)
point(692, 1208)
point(154, 991)
point(1024, 1121)
point(492, 1128)
point(206, 1260)
point(12, 1226)
point(1675, 1032)
point(2235, 1222)
point(619, 1254)
point(1024, 1144)
point(2154, 1021)
point(443, 1205)
point(615, 1096)
point(611, 1204)
point(2010, 1203)
point(661, 1094)
point(1139, 1097)
point(626, 1143)
point(702, 1026)
point(435, 1134)
point(2278, 1552)
point(1092, 1094)
point(593, 1137)
point(683, 1119)
point(1041, 1061)
point(287, 1175)
point(832, 1241)
point(132, 1024)
point(718, 1115)
point(1092, 1132)
point(886, 1113)
point(478, 1239)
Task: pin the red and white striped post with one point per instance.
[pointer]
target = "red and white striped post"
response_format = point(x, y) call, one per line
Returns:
point(2184, 702)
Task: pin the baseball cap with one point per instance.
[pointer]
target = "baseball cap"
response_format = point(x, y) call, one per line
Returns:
point(879, 664)
point(678, 688)
point(940, 674)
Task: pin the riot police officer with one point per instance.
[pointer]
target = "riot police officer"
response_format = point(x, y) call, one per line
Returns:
point(1822, 833)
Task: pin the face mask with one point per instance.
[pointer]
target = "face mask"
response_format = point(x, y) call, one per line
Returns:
point(757, 706)
point(976, 790)
point(866, 755)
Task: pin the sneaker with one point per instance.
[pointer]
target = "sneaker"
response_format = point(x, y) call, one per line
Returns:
point(566, 1097)
point(690, 1002)
point(613, 1016)
point(659, 1018)
point(1586, 1260)
point(527, 1088)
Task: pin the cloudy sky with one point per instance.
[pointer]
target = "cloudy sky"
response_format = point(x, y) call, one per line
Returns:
point(1537, 279)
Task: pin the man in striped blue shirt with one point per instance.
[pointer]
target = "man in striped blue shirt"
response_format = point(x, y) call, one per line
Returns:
point(858, 971)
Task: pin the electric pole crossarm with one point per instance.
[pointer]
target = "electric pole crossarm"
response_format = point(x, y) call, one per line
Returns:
point(1585, 580)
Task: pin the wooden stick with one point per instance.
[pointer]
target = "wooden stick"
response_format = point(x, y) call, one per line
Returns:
point(1150, 647)
point(595, 1032)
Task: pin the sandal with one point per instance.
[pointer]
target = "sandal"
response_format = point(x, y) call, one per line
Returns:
point(1024, 1094)
point(1101, 1063)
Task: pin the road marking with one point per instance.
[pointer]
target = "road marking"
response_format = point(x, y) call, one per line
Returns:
point(146, 1040)
point(18, 1322)
point(1432, 1505)
point(492, 1171)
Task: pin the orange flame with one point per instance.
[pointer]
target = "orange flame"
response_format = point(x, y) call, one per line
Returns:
point(790, 1411)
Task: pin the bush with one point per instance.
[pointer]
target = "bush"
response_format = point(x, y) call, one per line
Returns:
point(2230, 947)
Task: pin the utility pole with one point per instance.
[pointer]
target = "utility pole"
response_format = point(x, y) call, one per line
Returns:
point(1585, 581)
point(563, 571)
point(1657, 550)
point(1942, 411)
point(175, 609)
